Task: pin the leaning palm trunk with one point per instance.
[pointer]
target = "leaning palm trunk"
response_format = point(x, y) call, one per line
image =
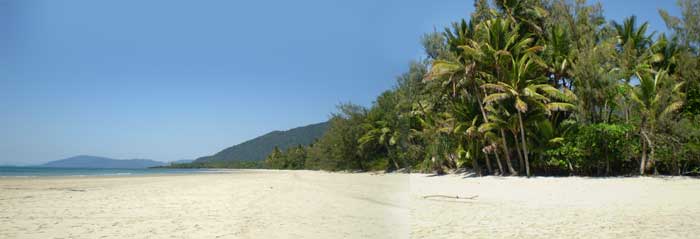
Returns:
point(498, 161)
point(642, 162)
point(396, 164)
point(522, 137)
point(507, 153)
point(647, 163)
point(521, 161)
point(488, 164)
point(475, 163)
point(505, 144)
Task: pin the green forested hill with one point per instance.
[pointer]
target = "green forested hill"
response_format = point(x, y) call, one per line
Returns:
point(258, 148)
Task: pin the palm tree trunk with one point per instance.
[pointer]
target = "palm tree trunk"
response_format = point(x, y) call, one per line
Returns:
point(607, 159)
point(475, 163)
point(498, 161)
point(488, 164)
point(522, 137)
point(650, 161)
point(507, 153)
point(396, 164)
point(676, 168)
point(454, 89)
point(481, 107)
point(521, 161)
point(505, 145)
point(642, 162)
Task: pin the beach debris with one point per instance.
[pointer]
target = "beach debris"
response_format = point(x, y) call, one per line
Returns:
point(68, 189)
point(450, 197)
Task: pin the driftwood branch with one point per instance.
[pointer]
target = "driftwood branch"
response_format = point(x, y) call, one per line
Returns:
point(452, 197)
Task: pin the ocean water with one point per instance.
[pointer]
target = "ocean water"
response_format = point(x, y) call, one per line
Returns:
point(42, 171)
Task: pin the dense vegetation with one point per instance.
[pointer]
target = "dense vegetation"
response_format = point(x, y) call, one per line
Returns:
point(256, 149)
point(546, 87)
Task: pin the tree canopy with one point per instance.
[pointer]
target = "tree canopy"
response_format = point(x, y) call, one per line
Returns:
point(536, 87)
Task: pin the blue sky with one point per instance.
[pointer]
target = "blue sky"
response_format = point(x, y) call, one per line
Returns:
point(169, 80)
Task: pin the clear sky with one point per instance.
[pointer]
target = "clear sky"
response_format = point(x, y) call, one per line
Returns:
point(169, 80)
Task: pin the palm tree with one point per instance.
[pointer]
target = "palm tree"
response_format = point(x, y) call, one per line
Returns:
point(632, 45)
point(558, 55)
point(633, 42)
point(435, 129)
point(274, 160)
point(527, 12)
point(379, 132)
point(467, 122)
point(496, 41)
point(458, 76)
point(499, 120)
point(525, 92)
point(629, 34)
point(459, 35)
point(381, 126)
point(666, 53)
point(656, 97)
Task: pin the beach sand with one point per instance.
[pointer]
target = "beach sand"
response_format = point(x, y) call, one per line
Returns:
point(305, 204)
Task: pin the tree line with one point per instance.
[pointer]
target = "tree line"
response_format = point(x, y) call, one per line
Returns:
point(544, 87)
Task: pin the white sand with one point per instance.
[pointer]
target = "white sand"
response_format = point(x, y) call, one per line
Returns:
point(303, 204)
point(557, 208)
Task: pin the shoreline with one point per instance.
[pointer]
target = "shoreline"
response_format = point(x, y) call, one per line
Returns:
point(39, 172)
point(196, 171)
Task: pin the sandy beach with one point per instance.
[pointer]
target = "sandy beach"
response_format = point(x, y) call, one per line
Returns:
point(306, 204)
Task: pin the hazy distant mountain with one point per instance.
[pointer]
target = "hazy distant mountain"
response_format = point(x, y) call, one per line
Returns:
point(86, 161)
point(258, 148)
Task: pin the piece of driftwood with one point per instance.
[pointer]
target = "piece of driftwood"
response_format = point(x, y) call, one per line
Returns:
point(452, 197)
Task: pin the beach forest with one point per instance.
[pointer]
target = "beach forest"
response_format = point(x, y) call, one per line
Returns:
point(531, 87)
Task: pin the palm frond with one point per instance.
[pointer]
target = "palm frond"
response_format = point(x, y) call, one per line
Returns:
point(487, 127)
point(442, 69)
point(559, 106)
point(496, 87)
point(489, 99)
point(673, 107)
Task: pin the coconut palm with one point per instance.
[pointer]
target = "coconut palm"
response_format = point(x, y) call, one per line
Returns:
point(467, 121)
point(558, 55)
point(527, 12)
point(633, 43)
point(666, 53)
point(381, 126)
point(500, 121)
point(380, 133)
point(526, 92)
point(496, 42)
point(656, 97)
point(436, 129)
point(629, 34)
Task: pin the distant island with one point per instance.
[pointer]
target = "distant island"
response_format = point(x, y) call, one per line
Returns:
point(87, 161)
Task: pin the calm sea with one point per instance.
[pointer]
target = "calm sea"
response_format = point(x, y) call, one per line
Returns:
point(41, 171)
